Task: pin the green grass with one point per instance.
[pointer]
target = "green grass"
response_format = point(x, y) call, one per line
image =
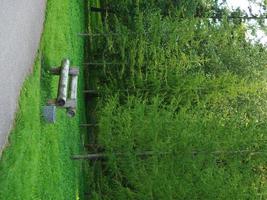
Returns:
point(36, 164)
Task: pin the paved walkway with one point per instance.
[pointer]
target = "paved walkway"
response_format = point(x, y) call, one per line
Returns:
point(21, 23)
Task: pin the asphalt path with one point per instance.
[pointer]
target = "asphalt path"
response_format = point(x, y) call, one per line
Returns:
point(21, 24)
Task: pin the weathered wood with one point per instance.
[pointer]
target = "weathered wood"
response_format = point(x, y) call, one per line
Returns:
point(73, 87)
point(102, 156)
point(102, 63)
point(71, 112)
point(57, 70)
point(52, 102)
point(88, 125)
point(99, 34)
point(70, 103)
point(63, 83)
point(98, 93)
point(93, 93)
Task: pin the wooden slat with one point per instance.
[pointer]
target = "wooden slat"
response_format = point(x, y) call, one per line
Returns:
point(102, 156)
point(88, 125)
point(63, 83)
point(71, 110)
point(73, 87)
point(70, 103)
point(102, 63)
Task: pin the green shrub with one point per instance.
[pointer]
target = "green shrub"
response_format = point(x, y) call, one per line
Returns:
point(192, 91)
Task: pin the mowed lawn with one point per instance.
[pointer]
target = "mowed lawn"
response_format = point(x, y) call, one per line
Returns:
point(36, 164)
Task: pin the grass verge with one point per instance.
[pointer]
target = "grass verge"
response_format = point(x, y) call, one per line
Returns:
point(36, 164)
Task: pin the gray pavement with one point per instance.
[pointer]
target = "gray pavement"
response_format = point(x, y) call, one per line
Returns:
point(21, 24)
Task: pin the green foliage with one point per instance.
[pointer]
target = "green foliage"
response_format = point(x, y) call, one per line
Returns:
point(207, 158)
point(191, 88)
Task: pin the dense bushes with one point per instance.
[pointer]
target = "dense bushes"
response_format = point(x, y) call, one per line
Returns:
point(189, 89)
point(203, 158)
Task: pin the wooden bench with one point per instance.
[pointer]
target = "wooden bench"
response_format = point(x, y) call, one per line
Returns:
point(67, 90)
